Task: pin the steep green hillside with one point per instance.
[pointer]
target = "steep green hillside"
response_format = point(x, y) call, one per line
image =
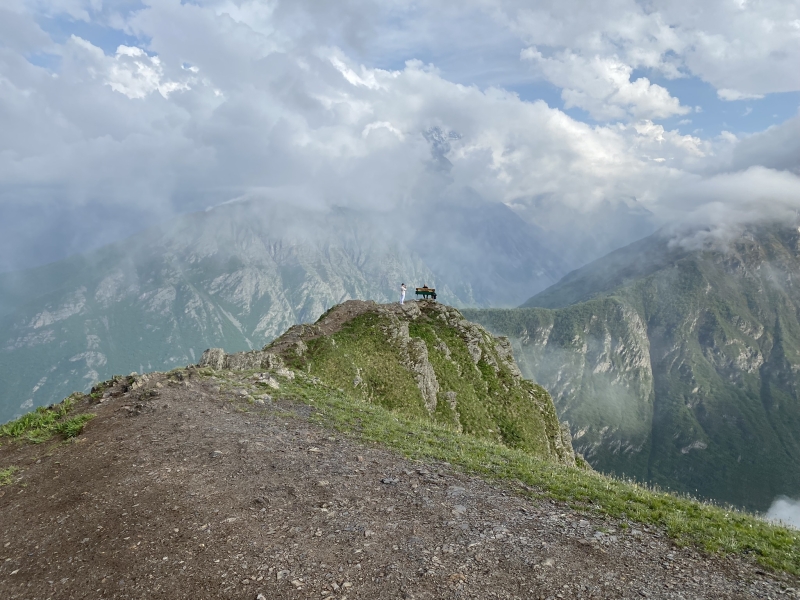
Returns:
point(422, 360)
point(237, 277)
point(681, 372)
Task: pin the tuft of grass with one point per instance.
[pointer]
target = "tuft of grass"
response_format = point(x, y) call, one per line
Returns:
point(7, 474)
point(73, 427)
point(713, 529)
point(98, 389)
point(45, 422)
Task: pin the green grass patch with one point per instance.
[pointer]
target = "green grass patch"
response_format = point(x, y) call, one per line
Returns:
point(7, 475)
point(491, 404)
point(361, 350)
point(714, 529)
point(369, 359)
point(45, 422)
point(74, 426)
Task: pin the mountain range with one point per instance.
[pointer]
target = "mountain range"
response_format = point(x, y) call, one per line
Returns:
point(238, 276)
point(676, 360)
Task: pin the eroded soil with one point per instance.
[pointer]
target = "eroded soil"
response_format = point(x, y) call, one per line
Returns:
point(174, 492)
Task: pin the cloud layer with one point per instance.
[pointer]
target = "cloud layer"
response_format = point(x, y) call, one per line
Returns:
point(199, 103)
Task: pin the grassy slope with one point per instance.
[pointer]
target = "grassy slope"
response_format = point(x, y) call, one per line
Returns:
point(490, 404)
point(43, 424)
point(710, 528)
point(584, 395)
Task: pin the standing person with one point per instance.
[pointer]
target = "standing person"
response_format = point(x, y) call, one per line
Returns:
point(402, 293)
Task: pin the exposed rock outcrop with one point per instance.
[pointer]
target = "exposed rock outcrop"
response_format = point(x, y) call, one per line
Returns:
point(215, 358)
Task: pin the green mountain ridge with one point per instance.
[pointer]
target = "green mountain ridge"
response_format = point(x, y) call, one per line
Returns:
point(423, 360)
point(675, 366)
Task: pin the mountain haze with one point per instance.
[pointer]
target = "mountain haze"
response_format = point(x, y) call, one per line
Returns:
point(238, 276)
point(676, 365)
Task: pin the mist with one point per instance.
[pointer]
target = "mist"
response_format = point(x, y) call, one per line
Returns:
point(785, 511)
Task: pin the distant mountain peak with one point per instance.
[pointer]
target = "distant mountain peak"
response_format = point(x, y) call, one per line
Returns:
point(743, 246)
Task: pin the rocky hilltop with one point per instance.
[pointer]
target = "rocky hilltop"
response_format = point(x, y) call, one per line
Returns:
point(422, 359)
point(676, 364)
point(383, 452)
point(237, 277)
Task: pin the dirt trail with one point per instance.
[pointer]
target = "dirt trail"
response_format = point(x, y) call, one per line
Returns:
point(180, 495)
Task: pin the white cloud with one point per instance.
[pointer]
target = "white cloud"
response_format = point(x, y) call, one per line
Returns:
point(733, 95)
point(778, 147)
point(752, 48)
point(130, 71)
point(366, 79)
point(136, 74)
point(726, 201)
point(603, 86)
point(227, 100)
point(785, 511)
point(382, 125)
point(684, 148)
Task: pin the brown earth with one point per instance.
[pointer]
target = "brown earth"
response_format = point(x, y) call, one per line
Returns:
point(174, 492)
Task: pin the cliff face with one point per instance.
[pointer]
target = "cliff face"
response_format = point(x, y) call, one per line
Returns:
point(237, 277)
point(595, 361)
point(422, 359)
point(683, 369)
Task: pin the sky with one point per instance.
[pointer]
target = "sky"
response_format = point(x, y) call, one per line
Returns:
point(118, 115)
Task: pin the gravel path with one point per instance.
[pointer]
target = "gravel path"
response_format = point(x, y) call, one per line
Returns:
point(179, 494)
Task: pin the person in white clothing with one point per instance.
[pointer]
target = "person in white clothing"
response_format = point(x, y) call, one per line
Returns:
point(402, 293)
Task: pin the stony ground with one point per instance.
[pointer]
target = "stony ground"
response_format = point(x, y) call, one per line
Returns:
point(174, 491)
